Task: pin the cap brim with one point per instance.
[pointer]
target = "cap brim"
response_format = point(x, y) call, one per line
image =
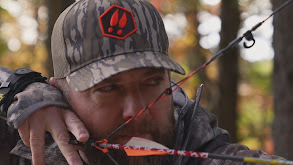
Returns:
point(94, 73)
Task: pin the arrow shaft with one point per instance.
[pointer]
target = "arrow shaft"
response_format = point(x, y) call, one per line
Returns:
point(159, 151)
point(166, 151)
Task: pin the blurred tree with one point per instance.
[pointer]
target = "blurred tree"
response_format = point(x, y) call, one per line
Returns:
point(3, 46)
point(221, 98)
point(255, 107)
point(195, 54)
point(55, 7)
point(187, 49)
point(225, 108)
point(283, 81)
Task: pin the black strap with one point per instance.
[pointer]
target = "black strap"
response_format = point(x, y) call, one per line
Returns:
point(16, 83)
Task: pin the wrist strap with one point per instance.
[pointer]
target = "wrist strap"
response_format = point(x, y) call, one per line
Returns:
point(16, 83)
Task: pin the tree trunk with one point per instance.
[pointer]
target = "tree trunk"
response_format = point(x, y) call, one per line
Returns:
point(196, 55)
point(228, 69)
point(283, 81)
point(55, 7)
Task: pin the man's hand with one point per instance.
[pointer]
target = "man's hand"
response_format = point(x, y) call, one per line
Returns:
point(58, 122)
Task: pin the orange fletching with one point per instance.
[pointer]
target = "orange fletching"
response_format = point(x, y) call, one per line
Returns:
point(136, 141)
point(133, 152)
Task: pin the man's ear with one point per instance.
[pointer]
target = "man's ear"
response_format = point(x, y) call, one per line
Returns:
point(53, 81)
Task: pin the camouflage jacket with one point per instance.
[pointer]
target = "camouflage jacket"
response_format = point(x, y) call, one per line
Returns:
point(205, 135)
point(34, 97)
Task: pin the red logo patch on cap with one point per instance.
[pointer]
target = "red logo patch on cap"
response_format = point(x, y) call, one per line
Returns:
point(117, 22)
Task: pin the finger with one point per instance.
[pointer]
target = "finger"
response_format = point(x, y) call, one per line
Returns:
point(24, 132)
point(37, 141)
point(61, 136)
point(75, 126)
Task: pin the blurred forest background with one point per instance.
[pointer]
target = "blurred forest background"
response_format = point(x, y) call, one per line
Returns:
point(250, 90)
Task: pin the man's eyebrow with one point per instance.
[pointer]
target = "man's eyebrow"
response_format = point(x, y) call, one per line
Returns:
point(154, 71)
point(111, 79)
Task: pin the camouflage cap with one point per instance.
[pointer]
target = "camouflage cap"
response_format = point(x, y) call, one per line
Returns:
point(95, 39)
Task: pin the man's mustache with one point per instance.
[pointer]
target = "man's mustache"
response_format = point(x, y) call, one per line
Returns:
point(143, 126)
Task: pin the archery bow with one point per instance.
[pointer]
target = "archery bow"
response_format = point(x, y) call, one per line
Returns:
point(144, 151)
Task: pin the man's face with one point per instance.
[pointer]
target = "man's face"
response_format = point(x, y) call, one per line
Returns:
point(115, 100)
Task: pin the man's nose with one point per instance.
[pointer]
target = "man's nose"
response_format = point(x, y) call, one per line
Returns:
point(133, 103)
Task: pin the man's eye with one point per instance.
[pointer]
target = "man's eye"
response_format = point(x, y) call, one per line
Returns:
point(154, 81)
point(107, 88)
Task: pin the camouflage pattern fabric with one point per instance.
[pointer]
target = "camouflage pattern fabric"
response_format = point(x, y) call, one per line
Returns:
point(52, 153)
point(85, 56)
point(34, 97)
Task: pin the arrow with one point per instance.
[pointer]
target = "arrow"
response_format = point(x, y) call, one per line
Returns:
point(143, 147)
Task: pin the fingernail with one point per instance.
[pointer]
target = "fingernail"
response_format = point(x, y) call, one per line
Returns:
point(83, 136)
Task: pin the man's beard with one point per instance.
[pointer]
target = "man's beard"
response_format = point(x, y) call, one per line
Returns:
point(160, 135)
